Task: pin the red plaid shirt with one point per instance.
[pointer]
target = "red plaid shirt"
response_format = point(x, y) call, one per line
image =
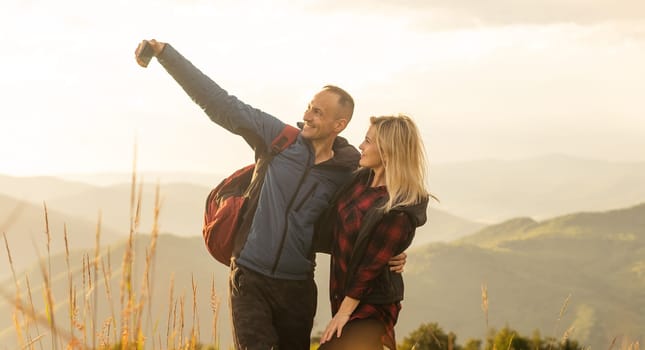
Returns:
point(387, 239)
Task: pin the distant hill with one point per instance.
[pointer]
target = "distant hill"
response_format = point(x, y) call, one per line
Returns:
point(40, 188)
point(24, 226)
point(541, 187)
point(115, 178)
point(443, 227)
point(625, 223)
point(496, 190)
point(529, 267)
point(182, 211)
point(182, 206)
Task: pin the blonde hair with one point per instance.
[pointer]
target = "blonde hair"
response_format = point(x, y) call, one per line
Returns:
point(402, 152)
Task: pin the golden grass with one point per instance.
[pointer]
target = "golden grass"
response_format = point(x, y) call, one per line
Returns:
point(84, 330)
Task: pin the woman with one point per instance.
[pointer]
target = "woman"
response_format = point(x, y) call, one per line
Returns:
point(373, 219)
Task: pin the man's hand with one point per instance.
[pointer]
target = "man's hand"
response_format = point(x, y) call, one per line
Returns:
point(397, 263)
point(156, 46)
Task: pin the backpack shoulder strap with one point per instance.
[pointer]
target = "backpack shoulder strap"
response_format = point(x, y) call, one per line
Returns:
point(286, 137)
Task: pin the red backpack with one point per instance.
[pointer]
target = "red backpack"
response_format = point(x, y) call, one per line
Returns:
point(231, 205)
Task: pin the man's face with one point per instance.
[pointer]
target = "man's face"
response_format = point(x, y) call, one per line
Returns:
point(321, 117)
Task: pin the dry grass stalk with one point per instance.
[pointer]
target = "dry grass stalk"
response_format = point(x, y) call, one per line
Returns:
point(126, 290)
point(74, 313)
point(613, 341)
point(181, 319)
point(563, 309)
point(133, 187)
point(215, 301)
point(69, 280)
point(49, 297)
point(170, 309)
point(126, 287)
point(49, 238)
point(104, 335)
point(44, 320)
point(13, 270)
point(33, 311)
point(567, 334)
point(49, 300)
point(37, 339)
point(153, 245)
point(510, 342)
point(436, 340)
point(15, 317)
point(87, 287)
point(485, 302)
point(95, 264)
point(107, 274)
point(146, 291)
point(194, 333)
point(173, 334)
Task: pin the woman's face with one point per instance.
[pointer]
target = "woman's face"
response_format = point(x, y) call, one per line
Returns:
point(370, 157)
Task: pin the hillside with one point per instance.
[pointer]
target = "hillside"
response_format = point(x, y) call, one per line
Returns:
point(530, 270)
point(24, 226)
point(613, 224)
point(443, 227)
point(39, 188)
point(182, 206)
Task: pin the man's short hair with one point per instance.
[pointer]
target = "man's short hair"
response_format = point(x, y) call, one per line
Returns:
point(345, 100)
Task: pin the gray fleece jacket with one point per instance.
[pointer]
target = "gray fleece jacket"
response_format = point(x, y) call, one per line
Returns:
point(295, 191)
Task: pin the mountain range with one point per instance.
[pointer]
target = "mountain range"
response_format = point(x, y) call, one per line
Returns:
point(181, 213)
point(542, 236)
point(583, 272)
point(493, 190)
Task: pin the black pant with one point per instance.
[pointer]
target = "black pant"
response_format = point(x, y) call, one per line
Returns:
point(270, 313)
point(363, 334)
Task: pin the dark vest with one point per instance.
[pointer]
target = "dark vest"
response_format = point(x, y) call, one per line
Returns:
point(388, 287)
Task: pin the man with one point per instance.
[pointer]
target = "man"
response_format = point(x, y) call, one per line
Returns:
point(272, 292)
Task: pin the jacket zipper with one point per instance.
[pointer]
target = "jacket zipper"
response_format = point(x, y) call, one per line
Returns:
point(306, 197)
point(286, 214)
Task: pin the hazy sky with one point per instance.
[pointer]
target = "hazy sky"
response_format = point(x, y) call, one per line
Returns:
point(497, 79)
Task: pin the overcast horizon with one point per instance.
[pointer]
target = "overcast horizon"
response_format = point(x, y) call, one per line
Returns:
point(505, 80)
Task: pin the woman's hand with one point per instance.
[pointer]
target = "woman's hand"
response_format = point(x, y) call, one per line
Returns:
point(335, 327)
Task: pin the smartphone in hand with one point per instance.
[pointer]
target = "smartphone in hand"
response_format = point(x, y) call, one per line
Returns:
point(145, 53)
